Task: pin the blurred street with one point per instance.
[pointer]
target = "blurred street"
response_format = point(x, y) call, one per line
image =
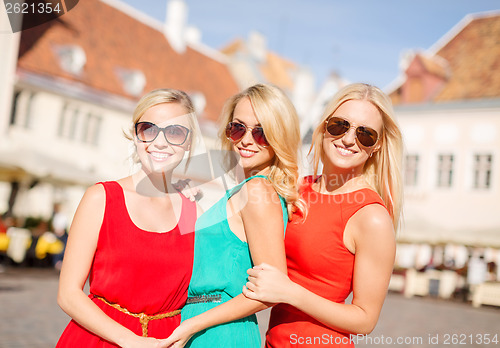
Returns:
point(30, 317)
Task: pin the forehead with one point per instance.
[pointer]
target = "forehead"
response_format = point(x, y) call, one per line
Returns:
point(244, 112)
point(360, 113)
point(166, 113)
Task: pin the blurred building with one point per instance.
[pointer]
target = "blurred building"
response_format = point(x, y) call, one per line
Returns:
point(447, 101)
point(252, 62)
point(69, 87)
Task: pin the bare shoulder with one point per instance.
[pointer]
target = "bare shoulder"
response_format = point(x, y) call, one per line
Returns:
point(95, 194)
point(375, 215)
point(93, 202)
point(126, 183)
point(260, 194)
point(372, 222)
point(90, 212)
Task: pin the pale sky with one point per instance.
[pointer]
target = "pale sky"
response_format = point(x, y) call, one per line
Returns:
point(361, 40)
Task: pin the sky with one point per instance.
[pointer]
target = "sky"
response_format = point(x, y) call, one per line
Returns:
point(361, 40)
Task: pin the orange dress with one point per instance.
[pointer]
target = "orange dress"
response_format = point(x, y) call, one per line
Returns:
point(318, 261)
point(142, 271)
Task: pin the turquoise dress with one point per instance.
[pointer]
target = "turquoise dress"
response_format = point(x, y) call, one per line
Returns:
point(221, 261)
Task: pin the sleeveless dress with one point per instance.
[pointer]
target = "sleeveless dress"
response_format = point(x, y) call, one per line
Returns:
point(142, 271)
point(318, 261)
point(221, 261)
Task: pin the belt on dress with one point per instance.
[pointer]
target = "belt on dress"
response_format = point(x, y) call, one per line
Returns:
point(144, 319)
point(204, 299)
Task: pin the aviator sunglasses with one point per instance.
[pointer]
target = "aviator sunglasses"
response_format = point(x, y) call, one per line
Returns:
point(235, 131)
point(147, 132)
point(337, 127)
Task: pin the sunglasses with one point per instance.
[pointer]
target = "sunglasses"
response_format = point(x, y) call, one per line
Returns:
point(337, 127)
point(235, 131)
point(147, 132)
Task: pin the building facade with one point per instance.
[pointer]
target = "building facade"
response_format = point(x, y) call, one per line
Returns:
point(72, 87)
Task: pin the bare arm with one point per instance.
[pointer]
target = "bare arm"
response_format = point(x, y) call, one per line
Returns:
point(372, 233)
point(263, 222)
point(80, 250)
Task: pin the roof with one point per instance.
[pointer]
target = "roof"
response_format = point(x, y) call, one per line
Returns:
point(466, 59)
point(115, 43)
point(272, 69)
point(473, 56)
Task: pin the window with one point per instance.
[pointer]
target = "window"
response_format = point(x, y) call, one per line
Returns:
point(445, 170)
point(13, 111)
point(21, 112)
point(79, 125)
point(68, 122)
point(482, 171)
point(411, 170)
point(90, 131)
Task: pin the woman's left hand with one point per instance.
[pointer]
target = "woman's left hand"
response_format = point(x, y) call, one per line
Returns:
point(179, 337)
point(268, 284)
point(191, 193)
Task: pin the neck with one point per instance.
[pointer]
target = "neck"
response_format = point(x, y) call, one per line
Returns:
point(153, 184)
point(347, 180)
point(251, 172)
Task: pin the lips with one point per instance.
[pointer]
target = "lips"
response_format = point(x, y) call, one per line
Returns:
point(246, 153)
point(159, 156)
point(344, 151)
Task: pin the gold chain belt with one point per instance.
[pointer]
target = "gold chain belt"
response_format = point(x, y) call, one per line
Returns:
point(144, 319)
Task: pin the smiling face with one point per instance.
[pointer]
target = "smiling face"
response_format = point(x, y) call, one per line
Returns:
point(345, 153)
point(159, 156)
point(253, 158)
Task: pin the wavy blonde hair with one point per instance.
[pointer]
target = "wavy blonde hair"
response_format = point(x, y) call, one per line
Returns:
point(383, 170)
point(161, 96)
point(278, 117)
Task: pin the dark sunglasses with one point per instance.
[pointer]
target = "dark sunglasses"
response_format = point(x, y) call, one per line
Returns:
point(235, 131)
point(337, 127)
point(147, 132)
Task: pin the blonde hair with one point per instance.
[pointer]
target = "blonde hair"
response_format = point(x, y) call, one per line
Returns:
point(278, 117)
point(383, 170)
point(161, 96)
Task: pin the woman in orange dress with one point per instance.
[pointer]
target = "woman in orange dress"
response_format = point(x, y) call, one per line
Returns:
point(346, 243)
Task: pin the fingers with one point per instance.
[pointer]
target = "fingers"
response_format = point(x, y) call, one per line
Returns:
point(264, 266)
point(256, 270)
point(251, 286)
point(248, 293)
point(253, 273)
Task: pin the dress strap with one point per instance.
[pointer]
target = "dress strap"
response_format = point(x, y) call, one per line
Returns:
point(188, 216)
point(238, 187)
point(115, 199)
point(359, 199)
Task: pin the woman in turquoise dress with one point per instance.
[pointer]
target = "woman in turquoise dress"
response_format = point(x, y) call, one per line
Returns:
point(260, 128)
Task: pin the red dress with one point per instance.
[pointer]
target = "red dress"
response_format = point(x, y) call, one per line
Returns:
point(318, 261)
point(142, 271)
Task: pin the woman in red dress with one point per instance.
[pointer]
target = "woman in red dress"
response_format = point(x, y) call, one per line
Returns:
point(134, 239)
point(346, 243)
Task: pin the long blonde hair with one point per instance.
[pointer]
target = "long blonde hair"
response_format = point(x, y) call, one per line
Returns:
point(278, 117)
point(383, 170)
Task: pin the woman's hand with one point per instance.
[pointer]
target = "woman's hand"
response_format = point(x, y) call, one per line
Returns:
point(178, 339)
point(192, 193)
point(268, 284)
point(143, 342)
